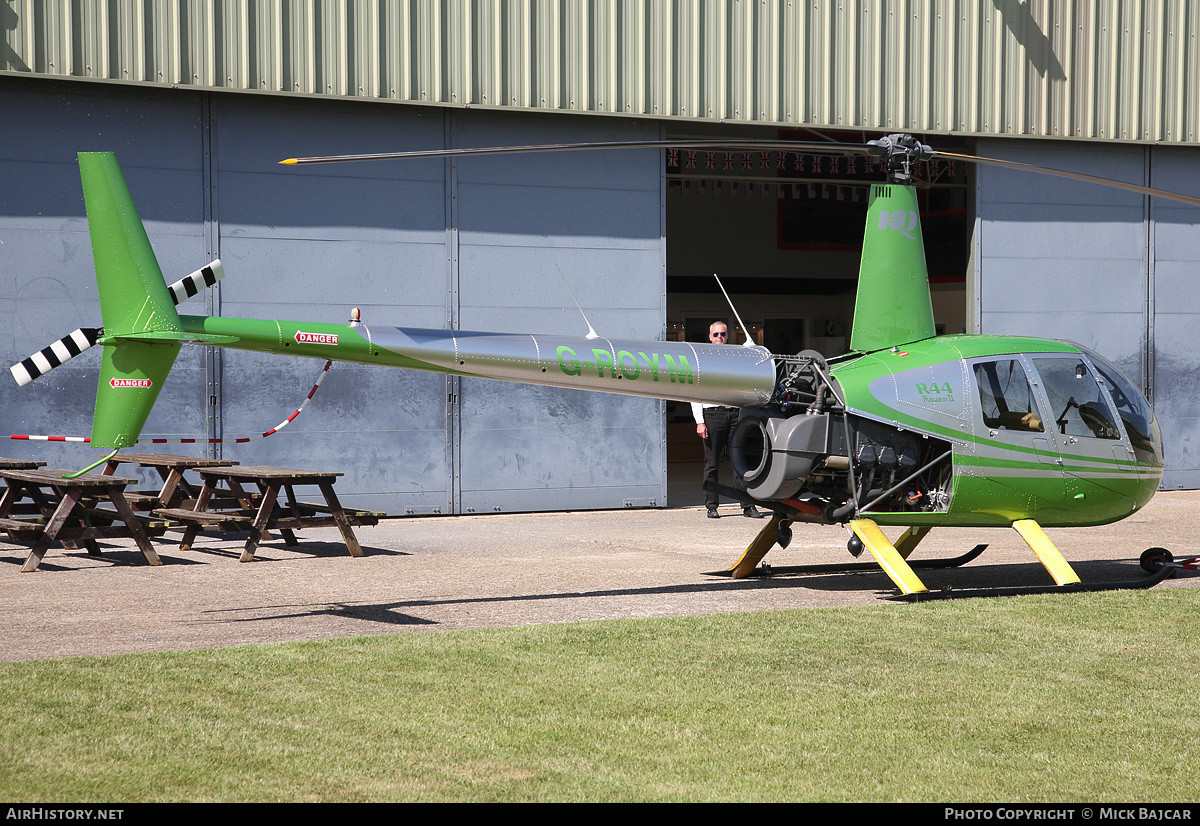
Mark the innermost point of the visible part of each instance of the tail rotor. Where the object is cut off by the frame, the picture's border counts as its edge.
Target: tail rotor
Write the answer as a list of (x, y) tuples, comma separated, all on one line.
[(83, 339)]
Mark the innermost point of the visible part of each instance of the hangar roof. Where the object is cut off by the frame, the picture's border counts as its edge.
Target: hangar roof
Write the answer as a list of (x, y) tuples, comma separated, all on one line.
[(1126, 70)]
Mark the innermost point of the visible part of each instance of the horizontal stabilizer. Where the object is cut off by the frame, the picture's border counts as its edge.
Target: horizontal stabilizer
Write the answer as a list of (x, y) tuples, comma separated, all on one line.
[(190, 338), (60, 352), (201, 279)]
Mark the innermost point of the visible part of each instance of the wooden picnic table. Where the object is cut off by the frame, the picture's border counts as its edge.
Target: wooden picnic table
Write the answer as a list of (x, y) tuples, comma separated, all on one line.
[(258, 513), (69, 512), (176, 491), (20, 464)]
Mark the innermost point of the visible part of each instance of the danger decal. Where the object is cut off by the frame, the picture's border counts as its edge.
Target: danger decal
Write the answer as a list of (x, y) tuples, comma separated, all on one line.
[(315, 338)]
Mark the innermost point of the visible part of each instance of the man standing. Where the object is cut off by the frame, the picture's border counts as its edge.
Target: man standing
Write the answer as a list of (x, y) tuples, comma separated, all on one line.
[(715, 424)]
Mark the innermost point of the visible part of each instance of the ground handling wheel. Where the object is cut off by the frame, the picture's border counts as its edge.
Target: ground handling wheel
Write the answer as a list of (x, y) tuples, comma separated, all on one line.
[(1154, 558)]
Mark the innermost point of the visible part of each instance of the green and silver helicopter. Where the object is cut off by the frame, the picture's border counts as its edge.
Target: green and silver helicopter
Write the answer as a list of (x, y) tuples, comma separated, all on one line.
[(909, 429)]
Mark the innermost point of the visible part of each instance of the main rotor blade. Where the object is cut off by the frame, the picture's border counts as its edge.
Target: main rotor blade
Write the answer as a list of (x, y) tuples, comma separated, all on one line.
[(752, 145), (1078, 176), (814, 147)]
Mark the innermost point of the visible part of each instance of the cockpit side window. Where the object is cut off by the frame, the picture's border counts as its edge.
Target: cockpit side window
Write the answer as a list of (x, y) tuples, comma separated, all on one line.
[(1005, 396), (1076, 402)]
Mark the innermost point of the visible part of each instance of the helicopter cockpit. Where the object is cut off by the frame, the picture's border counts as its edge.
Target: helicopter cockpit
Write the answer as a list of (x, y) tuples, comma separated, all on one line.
[(1082, 397), (1076, 400)]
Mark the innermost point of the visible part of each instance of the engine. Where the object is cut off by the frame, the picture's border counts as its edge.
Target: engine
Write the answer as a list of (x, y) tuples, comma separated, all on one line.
[(806, 445)]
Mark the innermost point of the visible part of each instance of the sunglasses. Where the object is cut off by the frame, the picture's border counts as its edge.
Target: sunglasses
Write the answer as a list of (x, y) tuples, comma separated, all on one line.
[(720, 334)]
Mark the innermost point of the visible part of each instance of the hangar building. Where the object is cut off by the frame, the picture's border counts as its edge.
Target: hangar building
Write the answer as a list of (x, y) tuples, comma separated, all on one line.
[(200, 99)]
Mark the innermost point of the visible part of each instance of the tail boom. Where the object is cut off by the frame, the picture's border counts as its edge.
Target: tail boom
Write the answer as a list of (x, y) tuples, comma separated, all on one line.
[(715, 374)]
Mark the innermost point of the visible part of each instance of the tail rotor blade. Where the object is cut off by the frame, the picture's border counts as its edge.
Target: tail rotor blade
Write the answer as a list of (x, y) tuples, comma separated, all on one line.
[(201, 279), (58, 353)]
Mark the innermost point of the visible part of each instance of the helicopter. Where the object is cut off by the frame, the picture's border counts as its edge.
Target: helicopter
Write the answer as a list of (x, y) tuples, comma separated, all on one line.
[(909, 429)]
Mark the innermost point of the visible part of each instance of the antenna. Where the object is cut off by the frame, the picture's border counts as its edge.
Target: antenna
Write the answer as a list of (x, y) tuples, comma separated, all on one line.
[(749, 342), (590, 333)]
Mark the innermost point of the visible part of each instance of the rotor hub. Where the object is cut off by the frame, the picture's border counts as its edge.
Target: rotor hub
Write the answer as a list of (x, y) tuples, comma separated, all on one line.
[(900, 152)]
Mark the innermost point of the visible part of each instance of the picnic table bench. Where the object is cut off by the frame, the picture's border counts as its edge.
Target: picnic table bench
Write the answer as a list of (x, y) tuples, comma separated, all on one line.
[(262, 511), (70, 512)]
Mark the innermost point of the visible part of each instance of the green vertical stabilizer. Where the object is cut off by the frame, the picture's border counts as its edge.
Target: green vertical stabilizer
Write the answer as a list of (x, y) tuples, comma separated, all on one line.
[(893, 306), (134, 302)]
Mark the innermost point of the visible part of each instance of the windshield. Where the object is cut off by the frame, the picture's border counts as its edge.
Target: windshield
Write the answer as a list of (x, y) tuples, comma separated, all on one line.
[(1133, 409), (1075, 398)]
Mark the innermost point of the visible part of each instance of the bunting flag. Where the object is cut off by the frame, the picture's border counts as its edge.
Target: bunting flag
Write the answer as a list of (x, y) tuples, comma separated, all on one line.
[(846, 177), (782, 190)]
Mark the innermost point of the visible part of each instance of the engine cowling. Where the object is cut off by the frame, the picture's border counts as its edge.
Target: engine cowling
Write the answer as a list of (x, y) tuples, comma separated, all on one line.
[(774, 454)]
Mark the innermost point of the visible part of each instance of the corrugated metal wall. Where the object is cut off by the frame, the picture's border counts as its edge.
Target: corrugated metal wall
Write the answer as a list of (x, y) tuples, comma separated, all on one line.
[(1110, 69)]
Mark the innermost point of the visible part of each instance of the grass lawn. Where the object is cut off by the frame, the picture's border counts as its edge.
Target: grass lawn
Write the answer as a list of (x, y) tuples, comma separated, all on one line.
[(1088, 697)]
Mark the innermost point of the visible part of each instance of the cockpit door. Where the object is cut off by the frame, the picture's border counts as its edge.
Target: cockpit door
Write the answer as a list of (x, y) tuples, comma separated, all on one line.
[(1079, 416), (1017, 458)]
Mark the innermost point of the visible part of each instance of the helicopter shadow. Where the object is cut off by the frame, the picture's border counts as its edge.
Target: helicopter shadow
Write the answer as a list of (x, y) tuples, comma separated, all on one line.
[(875, 582), (394, 613)]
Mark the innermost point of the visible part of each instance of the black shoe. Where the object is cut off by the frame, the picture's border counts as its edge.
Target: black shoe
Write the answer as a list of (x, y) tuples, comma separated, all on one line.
[(712, 514), (752, 513)]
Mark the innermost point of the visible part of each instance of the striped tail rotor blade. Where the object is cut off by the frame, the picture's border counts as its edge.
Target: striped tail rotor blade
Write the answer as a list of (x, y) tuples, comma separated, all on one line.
[(60, 352), (201, 279)]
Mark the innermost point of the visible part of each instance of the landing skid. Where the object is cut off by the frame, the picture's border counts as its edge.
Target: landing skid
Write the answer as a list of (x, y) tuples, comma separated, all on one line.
[(1077, 588), (850, 567)]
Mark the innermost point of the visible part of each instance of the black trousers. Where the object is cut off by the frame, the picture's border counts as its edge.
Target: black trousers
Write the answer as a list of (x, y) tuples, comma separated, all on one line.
[(720, 422)]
